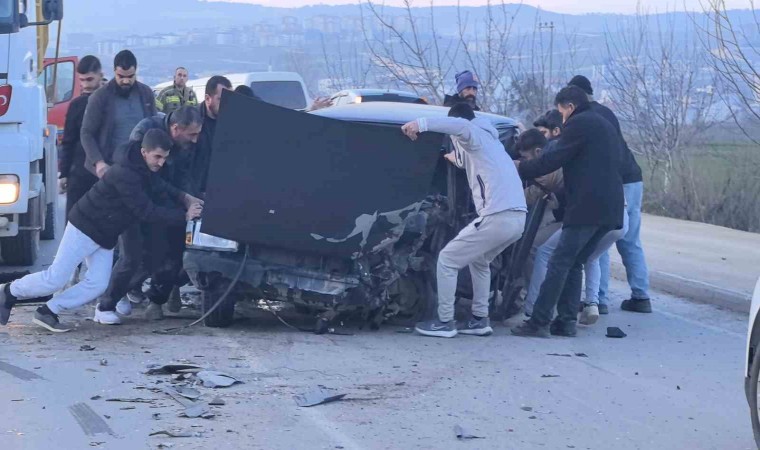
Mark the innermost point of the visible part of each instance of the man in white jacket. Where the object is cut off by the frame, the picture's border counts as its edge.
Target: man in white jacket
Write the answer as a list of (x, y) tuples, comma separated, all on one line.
[(498, 195)]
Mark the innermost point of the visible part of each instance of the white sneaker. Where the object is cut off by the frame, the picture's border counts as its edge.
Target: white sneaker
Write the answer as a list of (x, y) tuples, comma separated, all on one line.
[(124, 307), (590, 314), (106, 317)]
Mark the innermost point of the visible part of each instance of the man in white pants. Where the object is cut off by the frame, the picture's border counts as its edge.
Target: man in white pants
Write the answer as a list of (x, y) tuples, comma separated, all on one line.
[(121, 198), (500, 203)]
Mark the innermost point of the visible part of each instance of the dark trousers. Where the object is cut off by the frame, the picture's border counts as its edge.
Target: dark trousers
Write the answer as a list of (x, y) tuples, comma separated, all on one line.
[(127, 270), (78, 185), (564, 276), (166, 246)]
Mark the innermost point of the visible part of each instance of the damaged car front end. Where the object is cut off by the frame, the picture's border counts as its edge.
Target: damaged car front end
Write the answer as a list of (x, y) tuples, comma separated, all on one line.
[(391, 275)]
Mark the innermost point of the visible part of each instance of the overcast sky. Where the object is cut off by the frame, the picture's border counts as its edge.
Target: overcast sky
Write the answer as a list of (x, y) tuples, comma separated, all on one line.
[(563, 6)]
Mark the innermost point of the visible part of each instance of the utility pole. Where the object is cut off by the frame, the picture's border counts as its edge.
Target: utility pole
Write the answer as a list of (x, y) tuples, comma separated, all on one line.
[(548, 26)]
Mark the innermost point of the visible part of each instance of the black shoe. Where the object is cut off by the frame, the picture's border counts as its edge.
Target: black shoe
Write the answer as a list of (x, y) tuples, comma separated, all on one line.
[(49, 320), (564, 329), (5, 306), (604, 309), (637, 305), (529, 329)]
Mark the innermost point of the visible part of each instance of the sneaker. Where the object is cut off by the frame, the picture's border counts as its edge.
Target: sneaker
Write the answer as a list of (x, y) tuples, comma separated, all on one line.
[(49, 320), (568, 329), (475, 327), (5, 308), (436, 328), (175, 301), (604, 309), (106, 317), (136, 296), (637, 305), (154, 312), (124, 307), (590, 314), (529, 329)]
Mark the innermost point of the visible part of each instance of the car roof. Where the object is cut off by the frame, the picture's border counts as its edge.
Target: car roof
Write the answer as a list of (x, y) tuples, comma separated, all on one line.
[(364, 92), (399, 113), (244, 78)]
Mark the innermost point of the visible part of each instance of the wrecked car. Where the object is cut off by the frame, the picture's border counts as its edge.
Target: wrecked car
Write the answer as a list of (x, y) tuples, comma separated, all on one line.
[(334, 211)]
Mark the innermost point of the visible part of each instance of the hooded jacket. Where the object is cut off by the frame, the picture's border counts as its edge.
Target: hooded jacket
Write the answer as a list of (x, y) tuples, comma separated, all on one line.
[(123, 197), (589, 151), (491, 174)]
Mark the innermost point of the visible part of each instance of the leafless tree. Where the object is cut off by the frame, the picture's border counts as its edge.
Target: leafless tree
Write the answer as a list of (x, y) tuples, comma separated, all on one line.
[(346, 64), (734, 57)]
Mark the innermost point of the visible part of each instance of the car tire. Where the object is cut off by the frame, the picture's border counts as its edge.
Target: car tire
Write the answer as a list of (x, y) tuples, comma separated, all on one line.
[(752, 394), (223, 316), (48, 232)]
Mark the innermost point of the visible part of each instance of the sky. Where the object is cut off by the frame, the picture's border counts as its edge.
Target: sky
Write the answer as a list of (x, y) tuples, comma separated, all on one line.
[(561, 6)]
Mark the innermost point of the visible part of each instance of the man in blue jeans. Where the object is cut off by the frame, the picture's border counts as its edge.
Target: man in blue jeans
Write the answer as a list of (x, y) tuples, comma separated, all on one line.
[(629, 246)]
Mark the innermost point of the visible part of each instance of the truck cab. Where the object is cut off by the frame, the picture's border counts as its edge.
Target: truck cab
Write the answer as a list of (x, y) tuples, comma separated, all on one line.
[(28, 158)]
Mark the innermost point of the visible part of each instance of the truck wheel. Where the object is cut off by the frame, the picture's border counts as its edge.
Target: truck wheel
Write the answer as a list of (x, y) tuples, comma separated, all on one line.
[(752, 396), (21, 250), (223, 315), (48, 232)]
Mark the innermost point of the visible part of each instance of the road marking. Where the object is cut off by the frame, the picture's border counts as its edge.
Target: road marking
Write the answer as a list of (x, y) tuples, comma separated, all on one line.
[(18, 372), (89, 420)]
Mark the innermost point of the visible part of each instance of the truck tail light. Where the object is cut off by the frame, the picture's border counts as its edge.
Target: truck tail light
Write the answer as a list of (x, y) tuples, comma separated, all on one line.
[(5, 98), (9, 189)]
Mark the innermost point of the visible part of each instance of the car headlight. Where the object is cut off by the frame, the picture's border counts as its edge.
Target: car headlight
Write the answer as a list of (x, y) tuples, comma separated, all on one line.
[(195, 239), (9, 189)]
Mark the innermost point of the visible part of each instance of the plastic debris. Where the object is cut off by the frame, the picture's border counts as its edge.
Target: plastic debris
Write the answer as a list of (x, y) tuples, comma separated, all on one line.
[(316, 397), (615, 332), (170, 369), (463, 434), (212, 379)]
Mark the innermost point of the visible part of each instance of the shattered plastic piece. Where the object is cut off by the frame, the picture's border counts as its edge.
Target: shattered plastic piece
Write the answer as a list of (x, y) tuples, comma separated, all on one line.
[(95, 397), (213, 379), (197, 410), (316, 397), (126, 408), (560, 354), (549, 376), (156, 416), (131, 400), (581, 355), (526, 408), (615, 332), (103, 362), (462, 434), (86, 348), (177, 434), (187, 392), (170, 369), (217, 401)]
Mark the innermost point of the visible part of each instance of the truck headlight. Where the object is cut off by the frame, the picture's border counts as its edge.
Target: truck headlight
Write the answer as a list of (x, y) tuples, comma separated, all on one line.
[(9, 189)]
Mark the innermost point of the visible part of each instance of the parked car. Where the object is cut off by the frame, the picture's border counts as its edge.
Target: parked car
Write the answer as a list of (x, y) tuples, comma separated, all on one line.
[(286, 89), (394, 280), (752, 363), (353, 96)]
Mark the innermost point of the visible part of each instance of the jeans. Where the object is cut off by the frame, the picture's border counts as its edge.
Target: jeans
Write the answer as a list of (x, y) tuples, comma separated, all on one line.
[(593, 269), (630, 249), (476, 246), (75, 248), (564, 278)]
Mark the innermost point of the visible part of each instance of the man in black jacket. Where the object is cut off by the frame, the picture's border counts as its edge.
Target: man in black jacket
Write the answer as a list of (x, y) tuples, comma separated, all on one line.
[(467, 90), (209, 111), (113, 112), (122, 197), (157, 248), (74, 179), (589, 153), (629, 247)]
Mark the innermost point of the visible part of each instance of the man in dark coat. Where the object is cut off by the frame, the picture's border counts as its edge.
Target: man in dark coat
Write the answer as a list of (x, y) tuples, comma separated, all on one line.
[(121, 198), (467, 90), (630, 248), (74, 179), (209, 111), (112, 112), (589, 153)]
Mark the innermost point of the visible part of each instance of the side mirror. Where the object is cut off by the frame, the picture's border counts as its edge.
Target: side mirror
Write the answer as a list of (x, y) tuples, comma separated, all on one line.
[(52, 10)]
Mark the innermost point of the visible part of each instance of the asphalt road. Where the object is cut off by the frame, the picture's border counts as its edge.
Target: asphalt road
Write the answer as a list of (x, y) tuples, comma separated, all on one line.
[(676, 381)]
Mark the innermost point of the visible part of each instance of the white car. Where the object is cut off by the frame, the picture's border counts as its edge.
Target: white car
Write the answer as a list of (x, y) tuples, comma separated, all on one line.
[(286, 89), (353, 96), (752, 367)]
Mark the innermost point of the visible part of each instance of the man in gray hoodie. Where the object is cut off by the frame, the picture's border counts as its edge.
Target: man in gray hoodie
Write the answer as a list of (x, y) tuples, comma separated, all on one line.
[(499, 200)]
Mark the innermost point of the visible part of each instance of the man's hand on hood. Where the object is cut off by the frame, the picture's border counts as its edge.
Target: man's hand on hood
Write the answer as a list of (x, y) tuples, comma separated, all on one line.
[(411, 129)]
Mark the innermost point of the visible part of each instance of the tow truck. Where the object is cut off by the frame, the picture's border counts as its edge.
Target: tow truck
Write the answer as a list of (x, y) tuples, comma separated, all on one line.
[(28, 155)]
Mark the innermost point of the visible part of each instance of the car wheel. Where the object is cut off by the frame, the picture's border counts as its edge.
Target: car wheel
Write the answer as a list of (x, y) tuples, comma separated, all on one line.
[(752, 396), (224, 314)]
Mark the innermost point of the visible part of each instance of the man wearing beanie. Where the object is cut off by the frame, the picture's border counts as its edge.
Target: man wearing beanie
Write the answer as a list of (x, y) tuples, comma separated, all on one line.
[(629, 246), (467, 90)]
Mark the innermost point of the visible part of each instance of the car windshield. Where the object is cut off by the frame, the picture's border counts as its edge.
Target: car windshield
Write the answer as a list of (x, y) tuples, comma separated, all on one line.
[(288, 94), (390, 98)]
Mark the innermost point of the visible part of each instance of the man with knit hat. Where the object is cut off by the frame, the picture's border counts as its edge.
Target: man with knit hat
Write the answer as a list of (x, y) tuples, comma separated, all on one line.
[(629, 246), (467, 90)]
